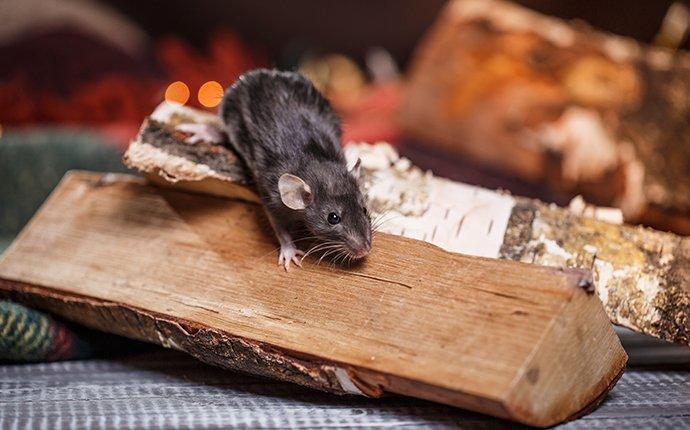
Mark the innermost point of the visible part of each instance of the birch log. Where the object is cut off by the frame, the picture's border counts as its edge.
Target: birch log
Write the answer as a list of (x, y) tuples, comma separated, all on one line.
[(559, 103), (642, 276)]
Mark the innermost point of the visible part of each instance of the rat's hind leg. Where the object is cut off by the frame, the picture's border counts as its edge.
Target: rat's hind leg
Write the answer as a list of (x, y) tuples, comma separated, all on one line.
[(288, 251), (202, 133)]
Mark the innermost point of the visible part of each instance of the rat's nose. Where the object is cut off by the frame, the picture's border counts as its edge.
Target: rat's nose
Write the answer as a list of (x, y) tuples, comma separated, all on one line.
[(361, 249)]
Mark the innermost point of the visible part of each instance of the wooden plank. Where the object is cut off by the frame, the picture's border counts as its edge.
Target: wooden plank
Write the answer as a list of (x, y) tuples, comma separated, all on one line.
[(642, 276), (557, 103), (198, 273)]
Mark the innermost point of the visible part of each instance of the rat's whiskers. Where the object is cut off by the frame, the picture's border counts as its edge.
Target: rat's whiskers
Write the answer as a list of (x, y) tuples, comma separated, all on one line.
[(325, 246), (326, 254), (343, 252), (321, 247), (381, 219)]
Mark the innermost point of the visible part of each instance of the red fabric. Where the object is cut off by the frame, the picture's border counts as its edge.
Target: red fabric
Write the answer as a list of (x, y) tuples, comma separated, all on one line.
[(111, 95), (80, 81)]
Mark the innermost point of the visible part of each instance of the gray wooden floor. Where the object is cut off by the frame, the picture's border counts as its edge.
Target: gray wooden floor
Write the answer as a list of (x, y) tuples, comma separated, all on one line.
[(157, 388)]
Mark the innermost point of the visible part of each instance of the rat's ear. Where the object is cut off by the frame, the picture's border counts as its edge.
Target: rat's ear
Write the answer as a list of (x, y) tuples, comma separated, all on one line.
[(294, 192), (354, 170)]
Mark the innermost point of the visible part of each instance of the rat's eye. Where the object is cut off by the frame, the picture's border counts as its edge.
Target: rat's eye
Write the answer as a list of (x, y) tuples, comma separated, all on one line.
[(366, 212), (333, 218)]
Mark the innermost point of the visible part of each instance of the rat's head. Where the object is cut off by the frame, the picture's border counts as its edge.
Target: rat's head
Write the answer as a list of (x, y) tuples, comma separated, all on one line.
[(332, 207)]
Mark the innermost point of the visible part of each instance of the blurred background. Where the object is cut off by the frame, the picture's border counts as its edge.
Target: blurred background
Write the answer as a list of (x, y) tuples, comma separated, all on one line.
[(77, 77)]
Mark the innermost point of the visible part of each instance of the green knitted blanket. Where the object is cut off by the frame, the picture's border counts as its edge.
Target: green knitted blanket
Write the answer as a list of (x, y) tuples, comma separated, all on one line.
[(30, 335)]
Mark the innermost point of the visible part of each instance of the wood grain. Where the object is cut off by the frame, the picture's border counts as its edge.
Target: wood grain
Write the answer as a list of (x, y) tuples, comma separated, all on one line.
[(199, 274)]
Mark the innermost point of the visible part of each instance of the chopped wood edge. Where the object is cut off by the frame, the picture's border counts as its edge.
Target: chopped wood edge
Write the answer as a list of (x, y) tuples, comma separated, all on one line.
[(529, 397), (596, 402)]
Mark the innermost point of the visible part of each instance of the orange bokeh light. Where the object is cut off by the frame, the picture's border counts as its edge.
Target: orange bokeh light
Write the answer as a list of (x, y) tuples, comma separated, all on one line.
[(177, 92), (210, 94)]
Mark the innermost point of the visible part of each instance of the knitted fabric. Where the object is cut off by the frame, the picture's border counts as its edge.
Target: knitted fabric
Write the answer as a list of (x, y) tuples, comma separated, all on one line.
[(30, 335)]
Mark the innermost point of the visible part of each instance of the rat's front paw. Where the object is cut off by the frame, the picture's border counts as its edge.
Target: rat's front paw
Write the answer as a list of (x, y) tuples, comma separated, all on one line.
[(288, 253), (201, 133)]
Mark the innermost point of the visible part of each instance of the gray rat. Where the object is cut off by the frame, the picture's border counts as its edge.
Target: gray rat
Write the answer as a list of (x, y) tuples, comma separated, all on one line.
[(288, 136)]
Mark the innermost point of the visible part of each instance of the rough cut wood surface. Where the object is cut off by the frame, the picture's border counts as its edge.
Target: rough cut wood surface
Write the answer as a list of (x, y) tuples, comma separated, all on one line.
[(642, 276), (559, 103), (199, 274)]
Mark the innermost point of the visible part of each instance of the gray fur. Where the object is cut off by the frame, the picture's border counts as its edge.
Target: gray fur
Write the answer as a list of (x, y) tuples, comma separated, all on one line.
[(279, 123)]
